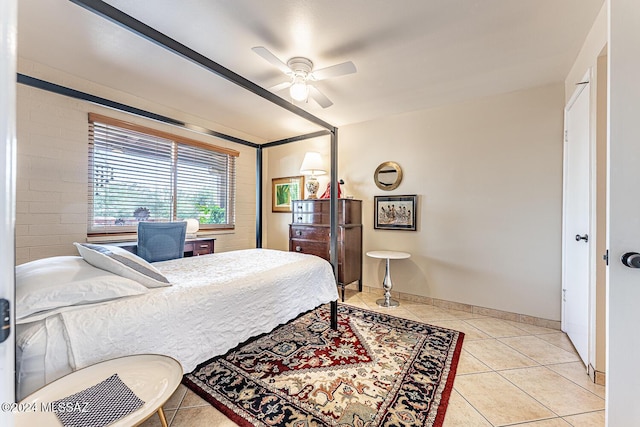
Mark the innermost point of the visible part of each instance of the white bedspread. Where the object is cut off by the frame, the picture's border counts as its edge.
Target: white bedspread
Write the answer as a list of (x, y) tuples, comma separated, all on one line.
[(216, 302)]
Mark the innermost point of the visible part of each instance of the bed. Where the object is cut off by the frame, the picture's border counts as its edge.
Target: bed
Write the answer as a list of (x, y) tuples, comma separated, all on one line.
[(210, 304)]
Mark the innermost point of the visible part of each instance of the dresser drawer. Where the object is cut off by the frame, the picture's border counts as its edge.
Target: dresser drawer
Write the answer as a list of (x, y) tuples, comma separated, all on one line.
[(309, 233), (318, 211), (310, 247), (310, 218), (307, 206)]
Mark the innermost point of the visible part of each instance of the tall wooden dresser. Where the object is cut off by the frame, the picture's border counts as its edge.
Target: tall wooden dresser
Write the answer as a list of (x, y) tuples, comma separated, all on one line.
[(309, 233)]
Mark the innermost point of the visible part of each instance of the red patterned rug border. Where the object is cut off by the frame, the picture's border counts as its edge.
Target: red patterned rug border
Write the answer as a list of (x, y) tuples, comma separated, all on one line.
[(446, 393)]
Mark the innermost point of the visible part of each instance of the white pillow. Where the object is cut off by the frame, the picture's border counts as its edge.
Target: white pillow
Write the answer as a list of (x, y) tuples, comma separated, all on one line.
[(123, 263), (48, 284)]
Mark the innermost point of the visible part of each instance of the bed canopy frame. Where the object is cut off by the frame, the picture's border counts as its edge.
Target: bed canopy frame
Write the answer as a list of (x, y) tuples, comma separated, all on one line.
[(128, 22)]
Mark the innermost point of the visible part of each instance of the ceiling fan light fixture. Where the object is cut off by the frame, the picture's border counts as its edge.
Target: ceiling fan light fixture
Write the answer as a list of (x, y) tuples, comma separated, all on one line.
[(299, 90), (301, 76)]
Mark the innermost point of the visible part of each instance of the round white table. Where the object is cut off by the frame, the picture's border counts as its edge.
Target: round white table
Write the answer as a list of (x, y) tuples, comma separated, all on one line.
[(386, 283), (151, 377)]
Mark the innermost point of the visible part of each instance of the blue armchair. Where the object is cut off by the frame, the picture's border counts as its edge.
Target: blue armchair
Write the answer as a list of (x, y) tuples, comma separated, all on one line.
[(160, 241)]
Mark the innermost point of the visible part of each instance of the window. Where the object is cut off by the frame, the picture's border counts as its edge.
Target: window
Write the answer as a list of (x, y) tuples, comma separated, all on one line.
[(141, 174)]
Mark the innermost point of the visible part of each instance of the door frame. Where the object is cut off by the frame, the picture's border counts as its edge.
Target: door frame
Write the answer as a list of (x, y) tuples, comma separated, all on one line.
[(8, 59), (623, 223)]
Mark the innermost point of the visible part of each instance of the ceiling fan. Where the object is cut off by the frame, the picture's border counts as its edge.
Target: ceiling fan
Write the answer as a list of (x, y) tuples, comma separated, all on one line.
[(302, 75)]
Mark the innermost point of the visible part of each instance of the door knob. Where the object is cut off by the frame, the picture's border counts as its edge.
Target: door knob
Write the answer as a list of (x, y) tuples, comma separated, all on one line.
[(631, 259), (579, 237)]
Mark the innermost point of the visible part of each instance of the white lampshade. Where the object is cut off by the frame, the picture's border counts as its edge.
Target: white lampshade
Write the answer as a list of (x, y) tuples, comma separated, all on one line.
[(193, 225), (312, 164)]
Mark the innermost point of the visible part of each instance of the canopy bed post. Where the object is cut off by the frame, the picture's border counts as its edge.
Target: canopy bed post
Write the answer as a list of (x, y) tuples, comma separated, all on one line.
[(259, 197), (333, 220)]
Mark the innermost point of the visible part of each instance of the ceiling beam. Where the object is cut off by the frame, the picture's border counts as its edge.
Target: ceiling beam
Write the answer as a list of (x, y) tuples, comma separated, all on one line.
[(297, 138)]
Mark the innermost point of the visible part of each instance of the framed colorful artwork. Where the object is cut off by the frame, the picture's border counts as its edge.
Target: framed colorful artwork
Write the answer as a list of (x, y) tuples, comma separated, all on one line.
[(284, 190)]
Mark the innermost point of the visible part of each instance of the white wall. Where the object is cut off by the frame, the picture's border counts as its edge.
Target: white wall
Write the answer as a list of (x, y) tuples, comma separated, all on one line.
[(592, 48), (489, 178), (52, 132)]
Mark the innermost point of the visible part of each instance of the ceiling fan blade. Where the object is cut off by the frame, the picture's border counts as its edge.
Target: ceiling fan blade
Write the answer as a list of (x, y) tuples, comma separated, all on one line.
[(334, 71), (271, 58), (279, 87), (319, 97)]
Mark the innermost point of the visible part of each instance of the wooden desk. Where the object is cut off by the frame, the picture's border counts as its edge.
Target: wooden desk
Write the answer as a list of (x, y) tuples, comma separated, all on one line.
[(192, 247), (151, 377)]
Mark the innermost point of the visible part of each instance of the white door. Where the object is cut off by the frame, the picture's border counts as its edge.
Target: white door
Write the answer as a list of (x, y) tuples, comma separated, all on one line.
[(576, 243), (623, 283), (8, 46)]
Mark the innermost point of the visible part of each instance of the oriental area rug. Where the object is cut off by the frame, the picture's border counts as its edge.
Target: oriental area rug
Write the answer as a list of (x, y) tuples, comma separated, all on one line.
[(376, 370)]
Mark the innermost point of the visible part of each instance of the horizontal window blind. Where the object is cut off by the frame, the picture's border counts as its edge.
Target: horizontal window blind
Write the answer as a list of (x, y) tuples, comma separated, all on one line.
[(136, 176), (205, 185)]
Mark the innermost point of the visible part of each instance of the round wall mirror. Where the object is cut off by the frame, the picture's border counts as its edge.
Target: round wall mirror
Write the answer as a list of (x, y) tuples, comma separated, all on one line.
[(388, 176)]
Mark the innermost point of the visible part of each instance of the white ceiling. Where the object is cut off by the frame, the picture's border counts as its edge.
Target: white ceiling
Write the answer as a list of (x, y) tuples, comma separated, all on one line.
[(410, 54)]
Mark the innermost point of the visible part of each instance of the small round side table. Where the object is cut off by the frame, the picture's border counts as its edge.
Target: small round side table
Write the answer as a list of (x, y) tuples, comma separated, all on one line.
[(151, 377), (386, 283)]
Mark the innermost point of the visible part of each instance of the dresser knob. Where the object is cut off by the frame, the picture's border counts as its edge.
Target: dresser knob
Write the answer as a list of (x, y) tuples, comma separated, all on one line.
[(299, 219), (298, 249), (298, 233)]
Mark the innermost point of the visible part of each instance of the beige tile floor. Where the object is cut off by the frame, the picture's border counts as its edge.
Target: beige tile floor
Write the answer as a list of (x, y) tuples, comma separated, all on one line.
[(509, 374)]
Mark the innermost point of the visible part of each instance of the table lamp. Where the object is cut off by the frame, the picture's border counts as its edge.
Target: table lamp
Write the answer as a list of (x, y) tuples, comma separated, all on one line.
[(312, 166), (193, 225)]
